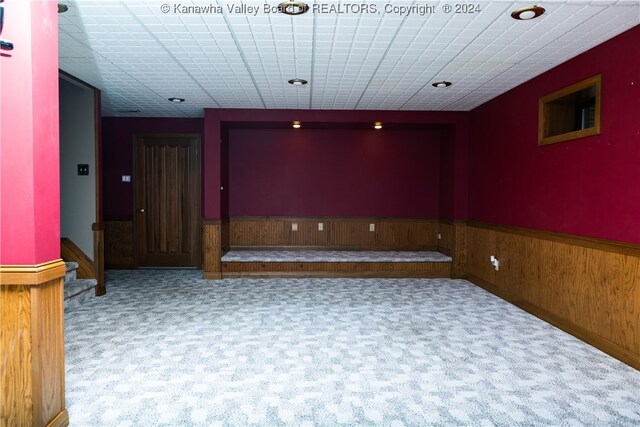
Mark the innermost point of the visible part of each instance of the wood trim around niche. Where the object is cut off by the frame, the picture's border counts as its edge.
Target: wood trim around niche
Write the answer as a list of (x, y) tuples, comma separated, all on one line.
[(568, 136)]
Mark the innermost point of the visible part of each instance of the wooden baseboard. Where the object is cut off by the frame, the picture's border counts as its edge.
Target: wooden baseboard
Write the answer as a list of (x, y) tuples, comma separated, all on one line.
[(212, 275), (589, 337), (61, 420)]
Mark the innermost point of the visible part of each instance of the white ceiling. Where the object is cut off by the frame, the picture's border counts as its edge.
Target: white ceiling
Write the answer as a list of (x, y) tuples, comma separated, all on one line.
[(139, 56)]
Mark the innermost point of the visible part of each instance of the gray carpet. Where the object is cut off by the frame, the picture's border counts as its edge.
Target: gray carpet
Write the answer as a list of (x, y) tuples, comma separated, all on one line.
[(167, 348), (334, 256)]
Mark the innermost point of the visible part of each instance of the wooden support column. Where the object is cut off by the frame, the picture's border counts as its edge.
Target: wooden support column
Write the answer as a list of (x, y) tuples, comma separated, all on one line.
[(31, 272), (458, 270), (32, 345), (212, 249), (98, 258)]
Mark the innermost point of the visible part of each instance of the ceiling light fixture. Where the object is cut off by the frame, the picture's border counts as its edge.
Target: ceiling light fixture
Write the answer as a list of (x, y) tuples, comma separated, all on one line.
[(377, 125), (441, 84), (62, 8), (177, 100), (298, 82), (527, 13), (293, 7), (296, 125)]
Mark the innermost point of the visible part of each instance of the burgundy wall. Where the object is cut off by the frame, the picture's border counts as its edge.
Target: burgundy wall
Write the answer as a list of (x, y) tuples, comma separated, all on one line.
[(117, 160), (29, 136), (329, 172), (447, 173), (588, 187), (219, 203)]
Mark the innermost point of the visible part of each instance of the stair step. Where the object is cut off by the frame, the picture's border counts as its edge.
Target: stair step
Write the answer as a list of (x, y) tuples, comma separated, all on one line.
[(71, 273), (79, 291)]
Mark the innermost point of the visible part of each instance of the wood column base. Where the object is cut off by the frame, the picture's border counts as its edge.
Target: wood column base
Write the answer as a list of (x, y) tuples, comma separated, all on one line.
[(32, 345), (212, 249)]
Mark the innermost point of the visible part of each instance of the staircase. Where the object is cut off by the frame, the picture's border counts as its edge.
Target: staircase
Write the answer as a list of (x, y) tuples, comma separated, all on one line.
[(77, 291)]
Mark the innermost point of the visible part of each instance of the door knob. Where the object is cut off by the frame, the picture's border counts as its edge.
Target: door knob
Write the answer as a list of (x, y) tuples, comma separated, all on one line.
[(141, 210)]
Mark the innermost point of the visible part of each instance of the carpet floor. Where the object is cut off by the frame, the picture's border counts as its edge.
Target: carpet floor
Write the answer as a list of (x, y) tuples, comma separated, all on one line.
[(168, 348)]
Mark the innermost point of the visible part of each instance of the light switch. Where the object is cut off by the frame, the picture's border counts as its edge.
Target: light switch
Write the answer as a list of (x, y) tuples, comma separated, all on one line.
[(294, 226), (320, 226), (372, 227)]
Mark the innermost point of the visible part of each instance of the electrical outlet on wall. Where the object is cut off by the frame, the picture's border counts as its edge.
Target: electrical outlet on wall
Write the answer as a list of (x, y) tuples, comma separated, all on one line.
[(294, 226), (83, 169), (372, 227), (320, 226), (439, 236), (495, 263)]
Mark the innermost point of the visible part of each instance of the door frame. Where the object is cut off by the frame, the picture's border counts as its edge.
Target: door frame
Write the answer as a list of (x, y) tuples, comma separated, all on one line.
[(195, 177), (97, 227)]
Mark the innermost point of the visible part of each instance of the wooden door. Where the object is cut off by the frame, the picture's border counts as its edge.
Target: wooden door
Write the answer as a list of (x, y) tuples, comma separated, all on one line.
[(167, 200)]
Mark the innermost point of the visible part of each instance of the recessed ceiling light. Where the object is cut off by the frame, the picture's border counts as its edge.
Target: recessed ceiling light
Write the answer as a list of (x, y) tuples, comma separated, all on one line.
[(377, 125), (298, 82), (177, 100), (62, 8), (296, 125), (293, 7), (527, 13), (441, 84)]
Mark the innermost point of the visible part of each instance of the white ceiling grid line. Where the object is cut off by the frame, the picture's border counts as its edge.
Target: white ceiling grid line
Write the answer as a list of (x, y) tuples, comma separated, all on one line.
[(141, 52)]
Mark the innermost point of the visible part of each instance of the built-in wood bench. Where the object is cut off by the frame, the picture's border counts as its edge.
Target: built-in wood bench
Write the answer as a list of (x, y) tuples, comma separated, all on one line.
[(331, 263)]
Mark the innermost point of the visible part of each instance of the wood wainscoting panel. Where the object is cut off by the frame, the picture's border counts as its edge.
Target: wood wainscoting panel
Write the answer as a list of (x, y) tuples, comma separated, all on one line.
[(16, 401), (118, 244), (98, 258), (459, 249), (481, 244), (225, 237), (446, 241), (256, 232), (586, 288), (344, 233), (32, 342), (212, 249)]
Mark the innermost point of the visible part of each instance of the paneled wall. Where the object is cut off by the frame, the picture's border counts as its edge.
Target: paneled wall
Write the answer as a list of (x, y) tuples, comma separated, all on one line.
[(118, 244), (446, 240), (32, 345), (212, 245), (588, 287), (343, 233)]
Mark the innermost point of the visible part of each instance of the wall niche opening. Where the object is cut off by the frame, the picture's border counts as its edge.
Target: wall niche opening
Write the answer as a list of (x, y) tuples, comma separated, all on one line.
[(570, 113)]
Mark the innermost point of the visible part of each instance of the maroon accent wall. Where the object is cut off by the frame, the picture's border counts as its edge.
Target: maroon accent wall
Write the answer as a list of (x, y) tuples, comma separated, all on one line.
[(218, 145), (334, 172), (588, 187), (117, 156), (446, 204)]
